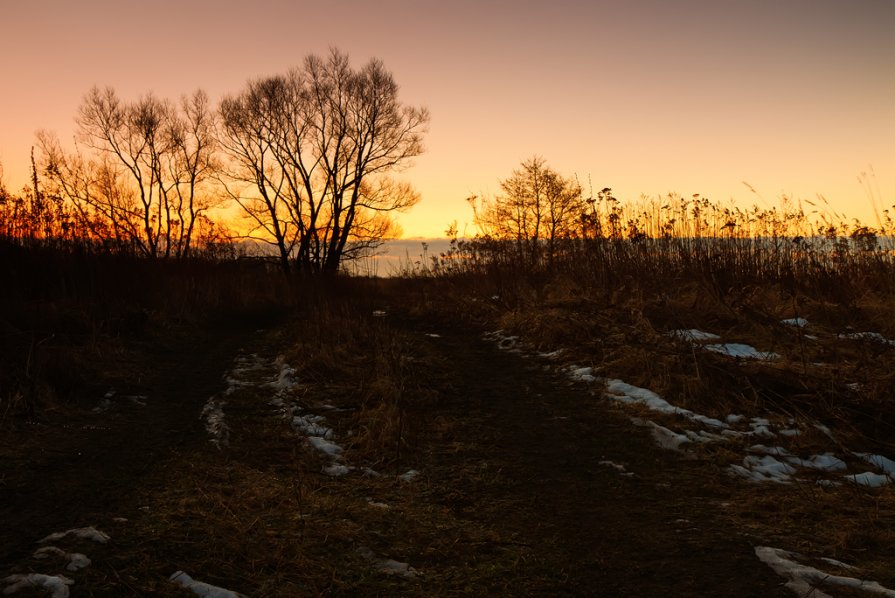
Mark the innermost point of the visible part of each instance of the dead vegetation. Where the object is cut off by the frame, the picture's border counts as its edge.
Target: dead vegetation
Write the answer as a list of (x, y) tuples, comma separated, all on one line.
[(261, 516)]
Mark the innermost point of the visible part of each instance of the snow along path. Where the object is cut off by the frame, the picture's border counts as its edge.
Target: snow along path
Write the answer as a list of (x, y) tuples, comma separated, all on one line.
[(203, 589), (56, 585), (804, 579), (528, 446), (774, 464), (243, 373)]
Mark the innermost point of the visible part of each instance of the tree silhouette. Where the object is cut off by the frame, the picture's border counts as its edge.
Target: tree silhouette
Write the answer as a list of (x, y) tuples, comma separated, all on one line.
[(310, 154), (143, 182), (537, 208)]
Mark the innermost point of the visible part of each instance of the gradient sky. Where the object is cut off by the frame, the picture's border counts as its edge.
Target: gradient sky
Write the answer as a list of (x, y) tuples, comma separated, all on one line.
[(795, 97)]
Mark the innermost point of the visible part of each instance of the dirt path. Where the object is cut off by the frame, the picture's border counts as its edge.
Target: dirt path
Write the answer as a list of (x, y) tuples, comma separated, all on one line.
[(520, 490), (546, 449)]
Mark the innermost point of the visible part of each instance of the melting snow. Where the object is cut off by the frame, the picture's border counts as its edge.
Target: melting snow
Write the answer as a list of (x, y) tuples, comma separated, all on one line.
[(217, 428), (664, 437), (741, 351), (325, 446), (203, 589), (389, 566), (584, 374), (694, 336), (797, 322), (803, 579), (504, 341), (870, 336), (76, 560), (285, 377), (870, 479), (337, 470), (409, 475), (57, 585), (393, 567), (887, 465), (86, 533), (627, 393), (311, 425)]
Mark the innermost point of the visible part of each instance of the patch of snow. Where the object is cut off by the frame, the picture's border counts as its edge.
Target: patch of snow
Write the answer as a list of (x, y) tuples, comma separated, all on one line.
[(741, 351), (325, 446), (870, 336), (735, 419), (551, 354), (797, 322), (825, 430), (379, 313), (57, 585), (409, 475), (627, 393), (883, 463), (202, 589), (616, 466), (378, 505), (76, 560), (703, 436), (285, 377), (393, 567), (337, 470), (244, 364), (824, 462), (803, 579), (584, 374), (870, 479), (764, 469), (665, 438), (389, 566), (85, 533), (217, 428), (761, 427), (433, 335), (504, 341), (694, 335), (836, 563), (310, 425)]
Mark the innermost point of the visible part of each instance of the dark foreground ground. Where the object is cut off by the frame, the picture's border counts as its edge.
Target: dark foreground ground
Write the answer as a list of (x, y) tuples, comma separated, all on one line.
[(515, 494)]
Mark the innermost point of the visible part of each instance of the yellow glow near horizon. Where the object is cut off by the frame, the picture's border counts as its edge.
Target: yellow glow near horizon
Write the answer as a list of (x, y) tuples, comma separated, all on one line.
[(645, 97)]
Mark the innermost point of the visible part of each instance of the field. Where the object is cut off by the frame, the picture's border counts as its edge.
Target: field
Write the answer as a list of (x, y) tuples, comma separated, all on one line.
[(659, 410)]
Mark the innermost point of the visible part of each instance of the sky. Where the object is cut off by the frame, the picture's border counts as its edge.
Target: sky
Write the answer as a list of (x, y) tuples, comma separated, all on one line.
[(648, 97)]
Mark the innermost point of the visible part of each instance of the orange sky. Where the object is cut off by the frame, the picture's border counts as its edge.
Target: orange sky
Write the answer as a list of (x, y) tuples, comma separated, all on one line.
[(795, 97)]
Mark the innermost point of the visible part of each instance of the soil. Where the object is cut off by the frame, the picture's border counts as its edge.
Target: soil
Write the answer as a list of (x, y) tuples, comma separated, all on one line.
[(510, 447)]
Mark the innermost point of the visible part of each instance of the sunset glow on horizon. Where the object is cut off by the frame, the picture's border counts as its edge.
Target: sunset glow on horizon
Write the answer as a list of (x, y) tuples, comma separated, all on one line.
[(794, 98)]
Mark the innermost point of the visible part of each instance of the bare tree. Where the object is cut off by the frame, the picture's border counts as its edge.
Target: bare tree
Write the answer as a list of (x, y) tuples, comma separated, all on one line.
[(311, 153), (537, 208), (142, 181)]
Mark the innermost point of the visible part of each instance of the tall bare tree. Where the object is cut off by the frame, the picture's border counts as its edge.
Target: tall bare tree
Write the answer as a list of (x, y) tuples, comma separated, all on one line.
[(143, 178), (311, 153)]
